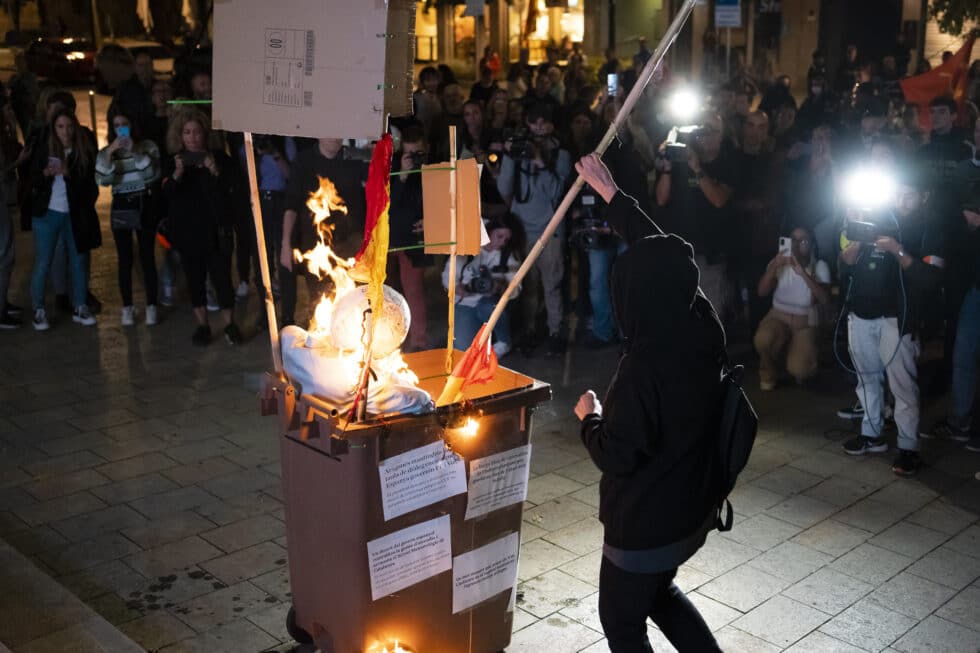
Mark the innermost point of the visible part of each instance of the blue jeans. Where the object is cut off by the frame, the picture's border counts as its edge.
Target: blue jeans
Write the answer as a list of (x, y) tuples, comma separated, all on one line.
[(600, 263), (47, 230), (469, 319), (966, 356)]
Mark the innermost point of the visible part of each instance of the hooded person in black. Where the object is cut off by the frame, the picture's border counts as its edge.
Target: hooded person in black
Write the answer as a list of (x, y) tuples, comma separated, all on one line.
[(655, 438)]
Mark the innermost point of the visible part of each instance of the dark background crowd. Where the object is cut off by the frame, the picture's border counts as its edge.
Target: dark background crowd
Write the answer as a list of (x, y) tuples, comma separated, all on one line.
[(753, 173)]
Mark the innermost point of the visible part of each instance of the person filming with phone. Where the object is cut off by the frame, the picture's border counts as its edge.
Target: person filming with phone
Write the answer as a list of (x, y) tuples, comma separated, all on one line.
[(130, 164), (798, 281)]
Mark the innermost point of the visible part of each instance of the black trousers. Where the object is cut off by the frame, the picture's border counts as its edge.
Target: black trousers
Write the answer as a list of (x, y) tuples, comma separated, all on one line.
[(288, 292), (627, 599), (146, 242), (216, 264)]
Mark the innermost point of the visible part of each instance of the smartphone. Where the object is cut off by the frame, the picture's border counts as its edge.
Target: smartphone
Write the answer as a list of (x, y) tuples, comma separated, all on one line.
[(859, 231), (55, 163), (122, 131), (194, 158), (612, 84), (785, 246)]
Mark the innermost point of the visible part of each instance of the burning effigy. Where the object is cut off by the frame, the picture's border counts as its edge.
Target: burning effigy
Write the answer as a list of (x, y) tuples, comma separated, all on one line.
[(345, 335)]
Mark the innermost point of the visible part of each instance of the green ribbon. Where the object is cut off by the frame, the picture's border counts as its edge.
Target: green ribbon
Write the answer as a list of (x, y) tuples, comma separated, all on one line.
[(420, 246)]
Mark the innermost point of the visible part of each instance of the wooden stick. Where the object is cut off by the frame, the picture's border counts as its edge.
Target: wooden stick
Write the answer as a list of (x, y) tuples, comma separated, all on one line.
[(452, 248), (634, 95), (270, 304)]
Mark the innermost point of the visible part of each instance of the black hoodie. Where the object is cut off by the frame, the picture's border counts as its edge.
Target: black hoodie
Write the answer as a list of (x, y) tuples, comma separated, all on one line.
[(656, 439)]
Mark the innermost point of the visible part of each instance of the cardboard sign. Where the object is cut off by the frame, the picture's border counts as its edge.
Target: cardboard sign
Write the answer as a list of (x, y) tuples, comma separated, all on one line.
[(435, 207), (316, 68)]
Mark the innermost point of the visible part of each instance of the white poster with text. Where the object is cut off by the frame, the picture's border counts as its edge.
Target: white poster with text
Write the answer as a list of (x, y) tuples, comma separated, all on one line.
[(419, 478), (485, 572), (409, 556), (498, 481)]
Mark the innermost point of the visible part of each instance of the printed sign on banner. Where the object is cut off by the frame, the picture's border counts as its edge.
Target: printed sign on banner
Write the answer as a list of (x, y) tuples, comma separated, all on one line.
[(409, 556), (419, 478), (498, 481), (728, 13), (485, 572)]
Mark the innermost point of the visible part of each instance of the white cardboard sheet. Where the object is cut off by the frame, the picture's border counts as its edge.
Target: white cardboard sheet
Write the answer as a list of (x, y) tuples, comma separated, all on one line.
[(498, 481), (419, 478), (485, 572), (409, 556)]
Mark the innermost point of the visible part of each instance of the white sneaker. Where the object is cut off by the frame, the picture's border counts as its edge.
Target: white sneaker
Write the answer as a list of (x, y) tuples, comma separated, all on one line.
[(151, 315), (242, 291), (128, 315), (83, 316), (501, 348), (40, 320)]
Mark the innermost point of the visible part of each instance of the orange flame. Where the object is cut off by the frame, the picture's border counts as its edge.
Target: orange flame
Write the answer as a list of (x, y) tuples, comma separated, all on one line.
[(323, 262), (380, 647)]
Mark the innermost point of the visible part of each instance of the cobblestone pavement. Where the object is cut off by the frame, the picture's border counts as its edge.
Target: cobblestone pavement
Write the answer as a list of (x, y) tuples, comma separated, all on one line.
[(136, 472)]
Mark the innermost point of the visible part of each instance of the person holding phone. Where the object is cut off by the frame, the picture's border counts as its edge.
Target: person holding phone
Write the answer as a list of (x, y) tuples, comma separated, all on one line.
[(798, 281), (130, 164), (63, 206), (198, 184)]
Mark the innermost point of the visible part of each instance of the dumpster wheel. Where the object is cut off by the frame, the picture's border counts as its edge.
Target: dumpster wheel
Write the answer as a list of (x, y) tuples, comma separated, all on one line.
[(294, 630)]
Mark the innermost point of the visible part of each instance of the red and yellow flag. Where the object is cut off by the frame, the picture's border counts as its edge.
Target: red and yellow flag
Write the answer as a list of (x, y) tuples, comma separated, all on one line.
[(950, 79), (478, 365), (373, 256)]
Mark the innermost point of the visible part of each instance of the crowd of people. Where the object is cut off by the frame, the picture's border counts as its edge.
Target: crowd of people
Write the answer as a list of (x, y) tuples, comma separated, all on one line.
[(755, 181)]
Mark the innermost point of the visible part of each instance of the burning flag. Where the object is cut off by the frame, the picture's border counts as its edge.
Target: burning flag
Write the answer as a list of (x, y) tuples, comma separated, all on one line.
[(478, 365)]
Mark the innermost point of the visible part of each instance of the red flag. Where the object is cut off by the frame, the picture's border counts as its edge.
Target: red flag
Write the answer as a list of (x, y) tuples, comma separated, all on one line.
[(478, 365), (949, 79)]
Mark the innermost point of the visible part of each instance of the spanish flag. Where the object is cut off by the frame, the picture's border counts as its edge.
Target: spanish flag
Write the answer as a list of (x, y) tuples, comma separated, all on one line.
[(373, 256), (950, 78), (478, 365)]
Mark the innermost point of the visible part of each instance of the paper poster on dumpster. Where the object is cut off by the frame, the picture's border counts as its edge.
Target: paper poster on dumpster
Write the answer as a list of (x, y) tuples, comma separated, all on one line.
[(485, 572), (419, 478), (498, 481), (409, 556)]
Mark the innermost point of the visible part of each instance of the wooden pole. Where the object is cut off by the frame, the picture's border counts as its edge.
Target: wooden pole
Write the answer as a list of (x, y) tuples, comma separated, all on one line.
[(634, 95), (270, 305), (452, 249)]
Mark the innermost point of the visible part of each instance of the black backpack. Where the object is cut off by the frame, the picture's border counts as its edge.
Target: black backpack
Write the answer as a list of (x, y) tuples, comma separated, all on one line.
[(738, 424)]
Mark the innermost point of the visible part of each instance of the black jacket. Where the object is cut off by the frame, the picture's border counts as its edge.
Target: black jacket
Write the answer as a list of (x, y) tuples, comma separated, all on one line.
[(200, 205), (656, 440), (82, 192)]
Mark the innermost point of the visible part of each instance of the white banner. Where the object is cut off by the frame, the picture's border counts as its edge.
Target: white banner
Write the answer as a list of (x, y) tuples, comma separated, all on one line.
[(409, 556), (485, 572), (419, 478), (498, 481)]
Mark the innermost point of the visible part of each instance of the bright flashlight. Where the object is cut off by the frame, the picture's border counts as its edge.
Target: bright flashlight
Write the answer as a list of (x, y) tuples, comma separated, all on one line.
[(684, 106), (869, 188)]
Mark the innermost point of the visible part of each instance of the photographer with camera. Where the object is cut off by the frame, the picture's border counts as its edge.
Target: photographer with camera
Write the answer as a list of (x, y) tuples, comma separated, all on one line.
[(891, 259), (480, 280), (694, 186), (532, 178)]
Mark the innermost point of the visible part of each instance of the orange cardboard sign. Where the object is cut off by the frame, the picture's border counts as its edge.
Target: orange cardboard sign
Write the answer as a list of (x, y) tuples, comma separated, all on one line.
[(435, 207)]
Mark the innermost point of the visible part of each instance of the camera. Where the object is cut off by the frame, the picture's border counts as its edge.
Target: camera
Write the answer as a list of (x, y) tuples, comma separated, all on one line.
[(679, 139), (866, 231), (482, 283), (590, 231), (520, 145)]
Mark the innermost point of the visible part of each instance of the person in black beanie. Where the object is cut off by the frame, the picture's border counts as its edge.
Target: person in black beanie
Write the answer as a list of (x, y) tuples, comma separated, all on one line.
[(654, 439)]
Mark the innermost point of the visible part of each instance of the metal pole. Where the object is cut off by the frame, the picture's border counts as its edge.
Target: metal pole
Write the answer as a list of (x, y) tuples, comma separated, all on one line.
[(750, 34), (270, 305), (91, 109), (452, 249), (634, 96), (728, 52)]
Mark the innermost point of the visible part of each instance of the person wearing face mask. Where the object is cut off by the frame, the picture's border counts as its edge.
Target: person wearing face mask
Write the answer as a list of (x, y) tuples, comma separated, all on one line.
[(819, 107), (197, 184), (130, 164), (480, 281), (63, 206)]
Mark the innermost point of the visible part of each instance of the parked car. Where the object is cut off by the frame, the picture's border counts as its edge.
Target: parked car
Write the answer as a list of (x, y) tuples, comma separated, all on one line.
[(65, 60), (116, 61)]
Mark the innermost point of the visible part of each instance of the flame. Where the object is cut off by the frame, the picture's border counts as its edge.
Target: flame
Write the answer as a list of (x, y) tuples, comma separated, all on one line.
[(323, 262), (384, 648), (469, 429)]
